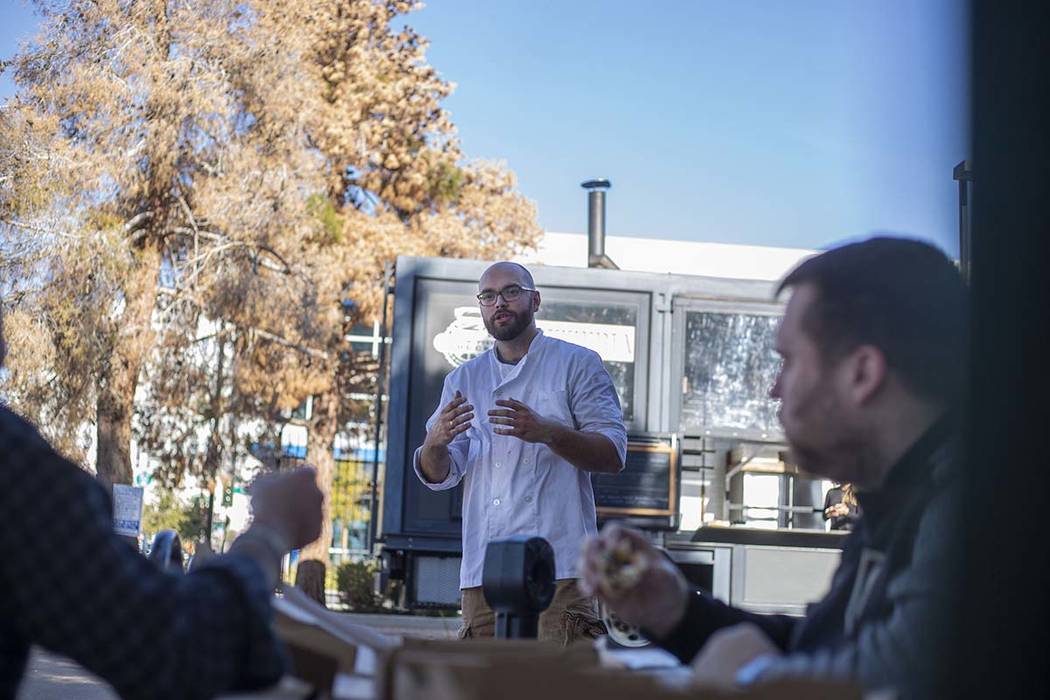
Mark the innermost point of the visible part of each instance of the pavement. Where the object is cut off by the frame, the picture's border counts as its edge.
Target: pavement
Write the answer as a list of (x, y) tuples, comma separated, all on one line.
[(53, 677)]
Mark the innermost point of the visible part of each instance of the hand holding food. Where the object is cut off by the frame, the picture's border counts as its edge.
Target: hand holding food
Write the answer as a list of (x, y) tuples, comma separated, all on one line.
[(622, 567), (634, 578)]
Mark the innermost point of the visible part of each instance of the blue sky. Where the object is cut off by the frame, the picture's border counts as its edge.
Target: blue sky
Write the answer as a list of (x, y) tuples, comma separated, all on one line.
[(766, 122)]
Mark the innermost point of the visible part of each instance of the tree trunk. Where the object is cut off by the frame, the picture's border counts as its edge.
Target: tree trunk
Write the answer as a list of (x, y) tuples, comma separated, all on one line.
[(323, 428), (132, 341), (113, 430), (309, 578)]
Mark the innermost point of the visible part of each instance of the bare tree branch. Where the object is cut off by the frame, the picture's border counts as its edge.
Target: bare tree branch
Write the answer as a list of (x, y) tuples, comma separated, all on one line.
[(136, 222), (39, 229)]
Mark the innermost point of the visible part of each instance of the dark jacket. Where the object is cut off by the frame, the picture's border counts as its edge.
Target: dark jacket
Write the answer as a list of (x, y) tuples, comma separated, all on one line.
[(68, 584), (889, 596), (834, 497)]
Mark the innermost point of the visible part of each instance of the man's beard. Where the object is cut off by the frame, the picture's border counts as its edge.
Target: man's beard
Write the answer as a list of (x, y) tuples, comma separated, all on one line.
[(820, 442), (511, 331)]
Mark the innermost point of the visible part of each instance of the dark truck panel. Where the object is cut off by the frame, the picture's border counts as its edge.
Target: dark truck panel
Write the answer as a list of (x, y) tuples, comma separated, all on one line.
[(628, 318)]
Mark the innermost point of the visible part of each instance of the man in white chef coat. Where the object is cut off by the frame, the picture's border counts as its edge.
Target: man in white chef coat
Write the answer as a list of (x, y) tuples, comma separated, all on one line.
[(523, 425)]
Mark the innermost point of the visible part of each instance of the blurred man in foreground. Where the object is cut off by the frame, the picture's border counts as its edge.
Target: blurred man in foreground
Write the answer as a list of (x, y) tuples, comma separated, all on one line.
[(70, 585), (873, 342)]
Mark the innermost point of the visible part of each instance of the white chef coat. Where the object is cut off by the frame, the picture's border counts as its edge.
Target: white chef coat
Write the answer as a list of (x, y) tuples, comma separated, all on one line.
[(513, 487)]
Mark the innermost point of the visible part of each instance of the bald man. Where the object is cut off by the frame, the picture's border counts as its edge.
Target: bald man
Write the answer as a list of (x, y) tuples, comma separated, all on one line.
[(523, 425)]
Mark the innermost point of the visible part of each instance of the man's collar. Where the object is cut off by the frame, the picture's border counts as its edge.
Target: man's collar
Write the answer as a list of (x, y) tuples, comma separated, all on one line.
[(533, 344), (914, 466)]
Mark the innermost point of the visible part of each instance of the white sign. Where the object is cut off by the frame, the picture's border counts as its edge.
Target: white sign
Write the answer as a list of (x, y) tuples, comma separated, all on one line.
[(127, 510), (612, 343), (466, 337)]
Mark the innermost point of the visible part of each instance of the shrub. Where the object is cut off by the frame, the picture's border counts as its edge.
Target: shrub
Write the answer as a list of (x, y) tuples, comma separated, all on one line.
[(355, 581)]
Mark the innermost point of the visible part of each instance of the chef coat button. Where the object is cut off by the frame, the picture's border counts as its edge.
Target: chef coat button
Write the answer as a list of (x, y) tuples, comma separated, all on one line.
[(495, 502)]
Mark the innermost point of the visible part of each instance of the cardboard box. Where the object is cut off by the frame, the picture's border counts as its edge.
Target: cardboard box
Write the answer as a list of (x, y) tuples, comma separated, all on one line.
[(345, 660), (328, 651), (531, 671), (461, 669)]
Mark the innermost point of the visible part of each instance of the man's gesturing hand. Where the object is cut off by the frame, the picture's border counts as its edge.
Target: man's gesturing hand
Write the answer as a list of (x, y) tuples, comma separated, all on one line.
[(522, 422), (454, 419), (654, 596)]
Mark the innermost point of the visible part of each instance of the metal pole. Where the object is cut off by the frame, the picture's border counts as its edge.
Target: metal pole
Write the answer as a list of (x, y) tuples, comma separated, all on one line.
[(373, 501), (211, 512), (596, 222), (596, 256), (964, 174)]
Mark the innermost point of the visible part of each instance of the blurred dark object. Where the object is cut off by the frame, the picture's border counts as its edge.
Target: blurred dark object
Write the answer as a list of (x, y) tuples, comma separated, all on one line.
[(963, 174), (1002, 634), (202, 552), (166, 551), (518, 584)]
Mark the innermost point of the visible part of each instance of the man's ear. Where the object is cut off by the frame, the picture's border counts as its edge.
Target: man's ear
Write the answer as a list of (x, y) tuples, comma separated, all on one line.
[(867, 372), (535, 302)]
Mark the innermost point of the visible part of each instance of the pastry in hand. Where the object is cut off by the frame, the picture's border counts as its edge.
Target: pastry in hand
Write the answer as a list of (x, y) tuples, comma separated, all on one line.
[(622, 569)]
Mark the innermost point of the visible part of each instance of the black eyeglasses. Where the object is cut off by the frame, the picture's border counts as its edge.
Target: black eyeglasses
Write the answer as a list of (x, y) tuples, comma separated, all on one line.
[(509, 293)]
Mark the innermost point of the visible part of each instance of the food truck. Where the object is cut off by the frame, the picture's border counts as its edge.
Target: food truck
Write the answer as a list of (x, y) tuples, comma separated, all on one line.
[(708, 474)]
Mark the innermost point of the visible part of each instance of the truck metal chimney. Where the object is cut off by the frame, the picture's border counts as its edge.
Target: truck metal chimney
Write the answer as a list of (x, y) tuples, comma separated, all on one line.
[(596, 256)]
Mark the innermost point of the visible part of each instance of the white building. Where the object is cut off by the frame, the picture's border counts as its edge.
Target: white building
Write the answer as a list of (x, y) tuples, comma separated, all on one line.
[(728, 260)]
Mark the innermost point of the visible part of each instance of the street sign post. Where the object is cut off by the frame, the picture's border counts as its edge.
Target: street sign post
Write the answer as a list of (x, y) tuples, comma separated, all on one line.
[(127, 510)]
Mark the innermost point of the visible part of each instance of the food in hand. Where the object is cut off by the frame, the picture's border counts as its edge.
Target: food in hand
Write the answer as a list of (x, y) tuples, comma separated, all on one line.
[(622, 568)]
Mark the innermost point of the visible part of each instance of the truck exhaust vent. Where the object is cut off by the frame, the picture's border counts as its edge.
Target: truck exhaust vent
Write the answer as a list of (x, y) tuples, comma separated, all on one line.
[(596, 256)]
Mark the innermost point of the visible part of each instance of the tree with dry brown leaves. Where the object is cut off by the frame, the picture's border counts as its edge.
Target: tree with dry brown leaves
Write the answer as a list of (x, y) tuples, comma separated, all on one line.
[(223, 175)]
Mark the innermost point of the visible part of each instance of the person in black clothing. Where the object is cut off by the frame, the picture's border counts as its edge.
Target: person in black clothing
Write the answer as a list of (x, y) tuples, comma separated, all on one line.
[(840, 507), (72, 586), (872, 341)]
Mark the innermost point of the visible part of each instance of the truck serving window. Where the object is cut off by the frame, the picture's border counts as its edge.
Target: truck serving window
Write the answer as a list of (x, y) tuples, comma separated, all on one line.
[(608, 329), (730, 366)]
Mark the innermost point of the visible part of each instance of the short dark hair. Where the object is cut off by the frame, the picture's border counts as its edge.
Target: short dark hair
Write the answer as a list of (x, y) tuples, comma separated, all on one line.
[(902, 296)]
